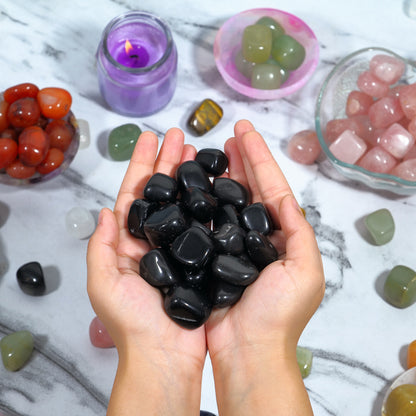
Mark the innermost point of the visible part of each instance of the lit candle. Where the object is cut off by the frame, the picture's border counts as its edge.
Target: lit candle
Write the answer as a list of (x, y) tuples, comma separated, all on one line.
[(136, 64)]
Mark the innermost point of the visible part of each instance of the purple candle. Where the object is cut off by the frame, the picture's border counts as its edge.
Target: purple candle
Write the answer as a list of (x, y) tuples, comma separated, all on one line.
[(136, 64)]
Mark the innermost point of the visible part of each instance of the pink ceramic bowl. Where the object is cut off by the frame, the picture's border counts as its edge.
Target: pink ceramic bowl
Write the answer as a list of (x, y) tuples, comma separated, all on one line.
[(228, 43)]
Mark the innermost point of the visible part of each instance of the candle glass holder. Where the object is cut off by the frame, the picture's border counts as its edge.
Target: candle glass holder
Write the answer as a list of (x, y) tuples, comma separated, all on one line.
[(137, 64)]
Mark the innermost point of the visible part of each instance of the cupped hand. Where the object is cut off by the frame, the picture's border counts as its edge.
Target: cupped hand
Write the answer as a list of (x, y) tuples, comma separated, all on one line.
[(274, 310), (131, 310)]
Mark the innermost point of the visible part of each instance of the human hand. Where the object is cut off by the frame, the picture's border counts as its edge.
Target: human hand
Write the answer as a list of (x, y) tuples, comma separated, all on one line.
[(263, 328), (132, 310)]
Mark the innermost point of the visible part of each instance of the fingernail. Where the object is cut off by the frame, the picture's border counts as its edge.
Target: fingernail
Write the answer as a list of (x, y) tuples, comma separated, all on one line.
[(297, 207)]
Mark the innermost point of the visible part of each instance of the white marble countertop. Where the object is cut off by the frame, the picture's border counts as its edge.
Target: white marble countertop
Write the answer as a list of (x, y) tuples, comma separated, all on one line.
[(358, 340)]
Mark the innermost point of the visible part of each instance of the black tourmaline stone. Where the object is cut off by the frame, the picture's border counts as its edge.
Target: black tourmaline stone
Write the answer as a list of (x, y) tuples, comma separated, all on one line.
[(226, 294), (200, 204), (230, 239), (161, 188), (30, 279), (234, 270), (229, 191), (214, 161), (190, 174), (261, 251), (256, 217), (226, 214), (140, 210)]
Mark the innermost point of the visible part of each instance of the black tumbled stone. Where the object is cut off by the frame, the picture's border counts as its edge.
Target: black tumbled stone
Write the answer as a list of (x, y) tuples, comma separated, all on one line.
[(226, 294), (139, 211), (256, 217), (234, 270), (200, 204), (260, 249), (161, 188), (214, 161), (191, 174), (226, 214), (230, 239), (31, 279), (229, 191)]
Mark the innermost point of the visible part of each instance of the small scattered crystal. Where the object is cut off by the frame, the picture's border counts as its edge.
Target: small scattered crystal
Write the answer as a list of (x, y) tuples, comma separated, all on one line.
[(304, 357), (80, 222), (206, 116), (99, 336), (16, 349), (304, 147), (122, 140), (30, 279), (84, 133), (400, 287), (381, 226)]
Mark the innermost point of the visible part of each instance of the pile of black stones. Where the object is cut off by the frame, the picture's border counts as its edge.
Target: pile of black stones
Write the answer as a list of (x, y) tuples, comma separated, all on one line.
[(208, 243)]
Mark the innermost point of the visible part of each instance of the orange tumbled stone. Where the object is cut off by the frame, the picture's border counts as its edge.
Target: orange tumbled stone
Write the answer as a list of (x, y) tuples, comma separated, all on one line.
[(52, 161), (411, 354), (54, 102)]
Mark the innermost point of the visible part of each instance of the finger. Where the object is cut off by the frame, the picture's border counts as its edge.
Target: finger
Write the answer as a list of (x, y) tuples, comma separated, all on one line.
[(236, 168), (188, 153), (170, 153)]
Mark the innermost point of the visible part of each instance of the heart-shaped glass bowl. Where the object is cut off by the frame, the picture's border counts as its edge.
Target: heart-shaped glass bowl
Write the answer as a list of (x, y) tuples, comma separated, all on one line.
[(331, 104), (228, 44)]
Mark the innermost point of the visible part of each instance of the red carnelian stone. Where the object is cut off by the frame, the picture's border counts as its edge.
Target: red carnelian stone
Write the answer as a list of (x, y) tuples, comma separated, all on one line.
[(20, 91), (24, 112), (33, 146), (20, 171), (54, 102), (52, 161), (411, 355), (4, 121), (98, 334), (9, 134), (8, 152), (60, 134)]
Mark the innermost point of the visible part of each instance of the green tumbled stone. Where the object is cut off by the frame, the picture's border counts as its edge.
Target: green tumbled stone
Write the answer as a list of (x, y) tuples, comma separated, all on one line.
[(381, 226), (266, 77), (276, 28), (257, 43), (304, 358), (288, 52), (244, 67), (400, 287), (283, 72), (16, 349), (122, 140)]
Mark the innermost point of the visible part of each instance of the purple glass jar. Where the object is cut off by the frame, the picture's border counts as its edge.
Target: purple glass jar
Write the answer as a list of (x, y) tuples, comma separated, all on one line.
[(137, 64)]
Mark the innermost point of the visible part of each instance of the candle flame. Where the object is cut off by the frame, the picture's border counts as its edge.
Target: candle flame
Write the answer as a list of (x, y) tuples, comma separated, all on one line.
[(128, 47)]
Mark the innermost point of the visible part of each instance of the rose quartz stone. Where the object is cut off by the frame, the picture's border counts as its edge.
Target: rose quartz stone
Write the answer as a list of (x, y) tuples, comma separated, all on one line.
[(358, 103), (387, 68), (335, 127), (99, 336), (395, 91), (377, 160), (304, 147), (348, 147), (384, 112), (405, 170), (397, 140), (411, 127), (411, 154), (371, 85), (408, 100)]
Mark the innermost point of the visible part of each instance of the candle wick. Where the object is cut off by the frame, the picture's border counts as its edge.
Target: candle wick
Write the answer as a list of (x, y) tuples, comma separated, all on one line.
[(134, 56)]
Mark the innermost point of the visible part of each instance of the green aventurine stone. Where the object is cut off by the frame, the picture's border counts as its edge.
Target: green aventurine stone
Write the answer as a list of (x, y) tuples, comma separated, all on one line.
[(304, 358), (122, 140), (257, 43), (380, 224), (400, 287), (276, 28), (244, 67), (266, 77), (288, 52), (16, 349)]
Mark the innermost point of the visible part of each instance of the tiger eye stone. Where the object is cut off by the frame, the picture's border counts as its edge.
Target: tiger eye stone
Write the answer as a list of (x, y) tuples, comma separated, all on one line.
[(400, 287), (16, 349), (206, 116)]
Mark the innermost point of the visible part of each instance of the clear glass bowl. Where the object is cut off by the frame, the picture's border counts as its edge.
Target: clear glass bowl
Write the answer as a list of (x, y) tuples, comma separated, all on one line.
[(69, 156), (331, 103), (228, 43)]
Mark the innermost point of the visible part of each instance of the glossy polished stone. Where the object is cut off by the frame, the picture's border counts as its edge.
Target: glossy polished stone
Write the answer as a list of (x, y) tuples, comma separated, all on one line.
[(381, 226), (191, 174), (164, 225), (288, 52), (234, 270), (230, 239), (161, 188), (205, 117), (304, 147), (99, 336), (226, 214), (256, 217), (122, 140), (243, 66), (213, 161), (188, 307), (411, 355), (257, 43), (157, 268), (16, 349), (84, 133), (226, 294), (80, 223), (276, 28), (193, 248), (139, 211), (266, 76), (229, 191), (30, 279), (205, 413), (198, 278), (304, 358), (200, 204), (400, 287), (348, 147), (260, 250), (401, 401)]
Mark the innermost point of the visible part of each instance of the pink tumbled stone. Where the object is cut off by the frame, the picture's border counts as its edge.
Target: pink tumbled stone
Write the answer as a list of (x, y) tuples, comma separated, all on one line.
[(377, 160), (99, 336), (387, 68), (395, 91), (408, 100), (358, 103), (348, 147), (384, 112), (367, 82), (304, 147), (336, 126), (411, 154), (406, 170), (411, 127), (397, 140)]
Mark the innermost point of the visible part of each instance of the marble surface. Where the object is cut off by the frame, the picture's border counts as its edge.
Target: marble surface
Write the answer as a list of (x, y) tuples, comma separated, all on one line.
[(358, 340)]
